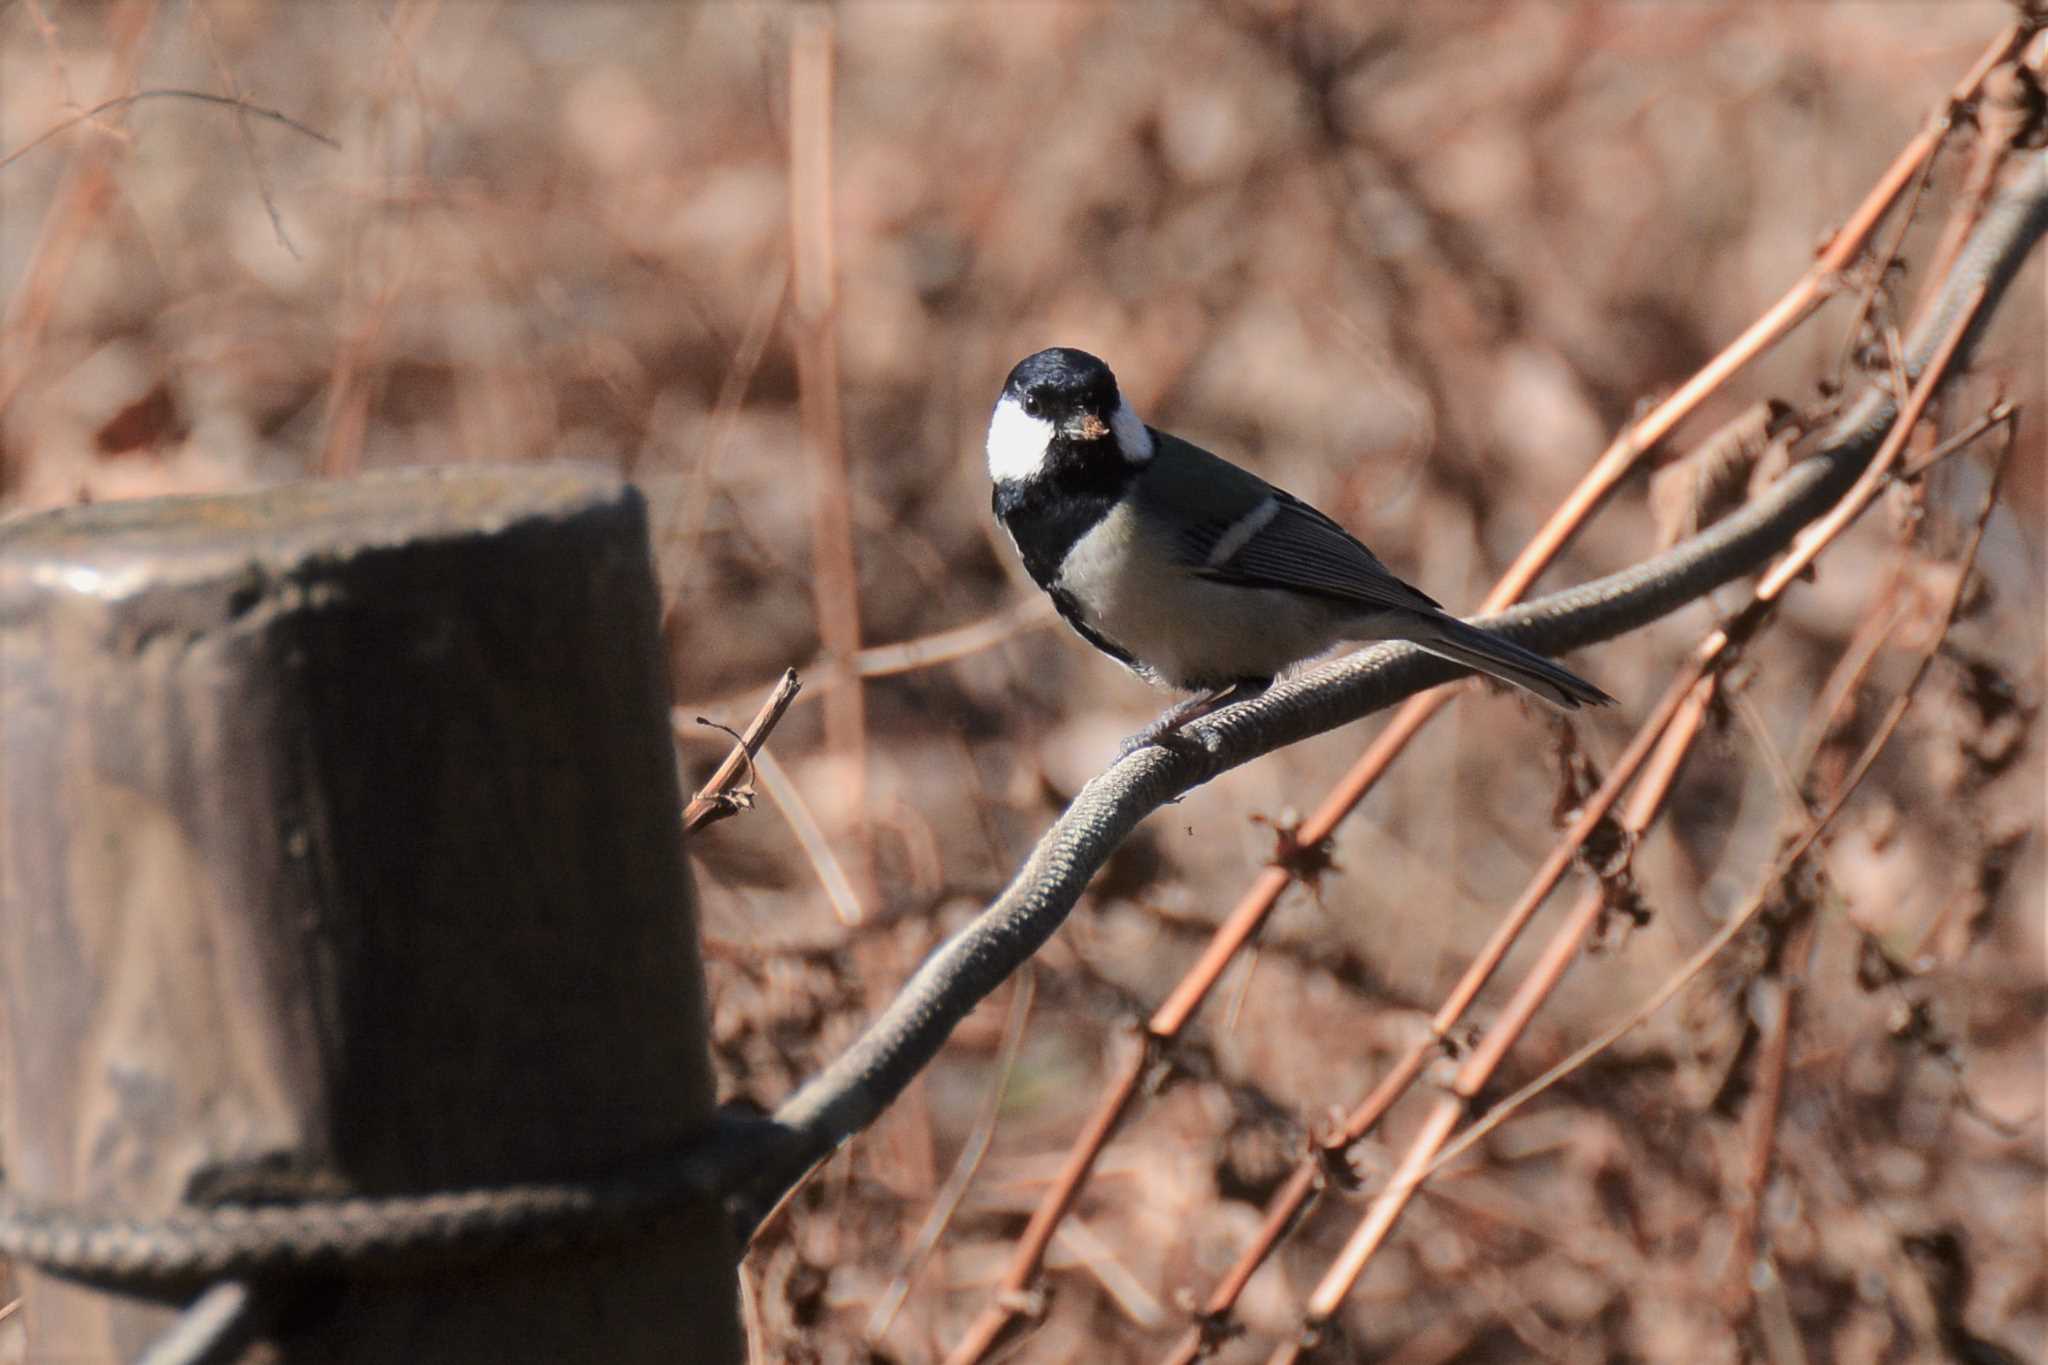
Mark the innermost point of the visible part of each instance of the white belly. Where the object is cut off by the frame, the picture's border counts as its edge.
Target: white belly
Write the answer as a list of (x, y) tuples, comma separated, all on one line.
[(1185, 631)]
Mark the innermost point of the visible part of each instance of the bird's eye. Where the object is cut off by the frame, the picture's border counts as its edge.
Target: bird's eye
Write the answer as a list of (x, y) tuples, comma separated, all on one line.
[(1032, 407)]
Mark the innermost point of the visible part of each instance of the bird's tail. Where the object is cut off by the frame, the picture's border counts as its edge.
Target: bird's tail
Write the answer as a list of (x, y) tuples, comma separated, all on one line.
[(1502, 658)]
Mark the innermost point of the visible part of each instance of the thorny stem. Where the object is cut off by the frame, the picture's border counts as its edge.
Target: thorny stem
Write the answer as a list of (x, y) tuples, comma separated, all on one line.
[(1243, 922)]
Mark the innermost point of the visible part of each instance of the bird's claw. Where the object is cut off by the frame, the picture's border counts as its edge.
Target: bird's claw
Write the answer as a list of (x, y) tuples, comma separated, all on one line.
[(1171, 738)]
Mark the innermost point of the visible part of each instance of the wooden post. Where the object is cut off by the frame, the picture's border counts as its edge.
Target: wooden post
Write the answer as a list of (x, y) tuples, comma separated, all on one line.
[(339, 853)]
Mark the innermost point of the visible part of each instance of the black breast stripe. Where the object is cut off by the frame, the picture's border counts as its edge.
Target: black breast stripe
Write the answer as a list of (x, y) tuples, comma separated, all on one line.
[(1045, 523), (1048, 515), (1044, 527), (1070, 612)]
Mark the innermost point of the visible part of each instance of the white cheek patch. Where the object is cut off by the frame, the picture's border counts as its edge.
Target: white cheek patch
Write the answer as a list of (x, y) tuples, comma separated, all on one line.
[(1017, 443), (1131, 436)]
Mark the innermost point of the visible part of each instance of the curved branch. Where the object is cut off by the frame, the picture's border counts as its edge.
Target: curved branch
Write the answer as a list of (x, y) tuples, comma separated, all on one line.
[(852, 1090)]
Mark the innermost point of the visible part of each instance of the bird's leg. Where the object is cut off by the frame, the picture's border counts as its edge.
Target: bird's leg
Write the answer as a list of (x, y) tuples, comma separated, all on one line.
[(1166, 731)]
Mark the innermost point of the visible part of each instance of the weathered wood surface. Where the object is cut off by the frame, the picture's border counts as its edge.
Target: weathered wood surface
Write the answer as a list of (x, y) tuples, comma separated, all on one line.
[(339, 851)]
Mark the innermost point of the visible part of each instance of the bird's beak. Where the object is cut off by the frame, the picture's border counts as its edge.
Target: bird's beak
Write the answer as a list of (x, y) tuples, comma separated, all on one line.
[(1088, 427)]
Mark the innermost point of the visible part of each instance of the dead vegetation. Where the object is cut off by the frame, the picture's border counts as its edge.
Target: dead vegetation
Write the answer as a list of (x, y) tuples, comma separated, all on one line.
[(1419, 264)]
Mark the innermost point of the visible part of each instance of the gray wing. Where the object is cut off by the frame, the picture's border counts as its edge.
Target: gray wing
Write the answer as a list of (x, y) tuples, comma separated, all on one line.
[(1293, 548), (1302, 550)]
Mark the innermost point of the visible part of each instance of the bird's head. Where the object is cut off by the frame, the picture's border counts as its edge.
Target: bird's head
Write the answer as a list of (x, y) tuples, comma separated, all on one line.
[(1061, 406)]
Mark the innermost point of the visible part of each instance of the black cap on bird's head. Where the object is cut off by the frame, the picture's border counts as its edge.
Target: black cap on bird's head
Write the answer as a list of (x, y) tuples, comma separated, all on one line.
[(1068, 388), (1065, 399)]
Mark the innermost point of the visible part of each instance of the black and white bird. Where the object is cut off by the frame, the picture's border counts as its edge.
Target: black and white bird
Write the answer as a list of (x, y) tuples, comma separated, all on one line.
[(1192, 572)]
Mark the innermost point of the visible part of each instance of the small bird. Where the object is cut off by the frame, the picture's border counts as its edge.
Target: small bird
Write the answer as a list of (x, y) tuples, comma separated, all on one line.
[(1190, 571)]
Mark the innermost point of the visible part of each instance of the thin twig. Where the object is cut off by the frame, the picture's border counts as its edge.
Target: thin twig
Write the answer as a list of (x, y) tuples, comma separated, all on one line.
[(218, 1327), (1838, 693), (2001, 414), (849, 1092), (814, 294), (379, 255), (1501, 1111), (693, 494), (1880, 269), (1806, 294), (245, 135), (66, 227), (2002, 113), (1483, 1059), (235, 102), (1013, 1290), (1084, 1247), (716, 799), (947, 1201), (1658, 767), (1667, 734), (1707, 952), (945, 646), (59, 72), (929, 651), (1816, 537), (1783, 982), (1812, 289), (775, 780)]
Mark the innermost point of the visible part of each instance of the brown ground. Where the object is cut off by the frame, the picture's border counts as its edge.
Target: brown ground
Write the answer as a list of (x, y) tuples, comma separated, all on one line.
[(1418, 264)]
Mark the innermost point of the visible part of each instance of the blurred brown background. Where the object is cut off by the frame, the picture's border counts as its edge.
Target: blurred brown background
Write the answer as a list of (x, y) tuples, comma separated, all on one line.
[(1417, 264)]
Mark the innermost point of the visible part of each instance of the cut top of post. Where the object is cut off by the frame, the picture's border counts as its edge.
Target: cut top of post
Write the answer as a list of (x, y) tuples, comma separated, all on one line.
[(114, 549)]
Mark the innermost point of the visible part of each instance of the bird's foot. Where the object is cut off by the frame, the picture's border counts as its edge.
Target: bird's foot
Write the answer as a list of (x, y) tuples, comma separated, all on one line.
[(1159, 734), (1169, 732)]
